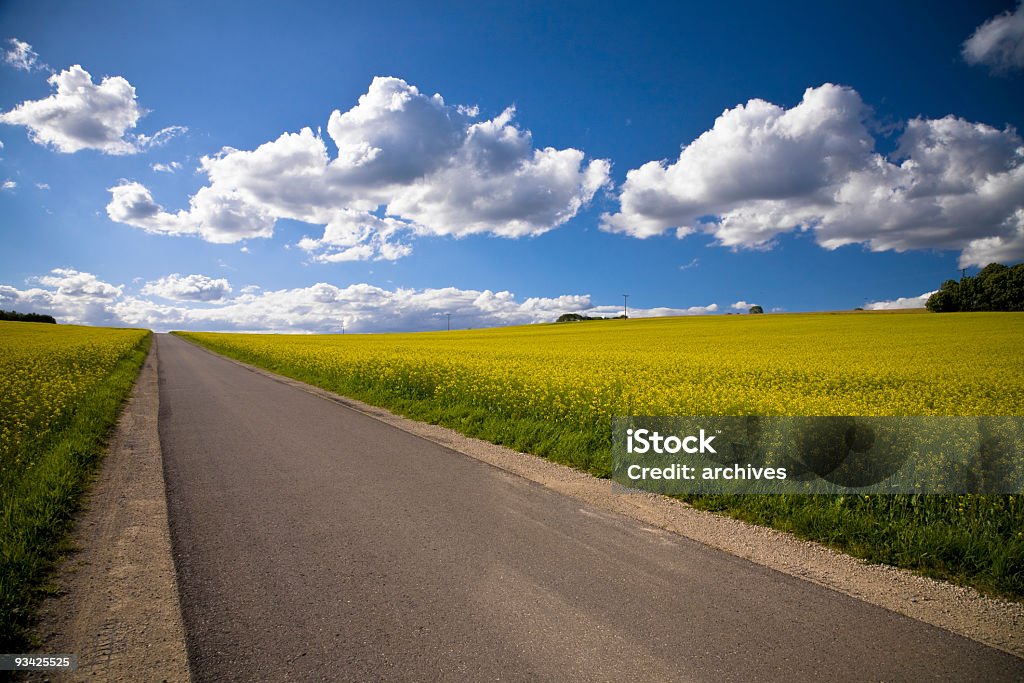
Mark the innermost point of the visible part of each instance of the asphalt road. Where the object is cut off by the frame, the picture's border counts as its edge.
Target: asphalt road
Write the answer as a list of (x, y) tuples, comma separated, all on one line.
[(315, 543)]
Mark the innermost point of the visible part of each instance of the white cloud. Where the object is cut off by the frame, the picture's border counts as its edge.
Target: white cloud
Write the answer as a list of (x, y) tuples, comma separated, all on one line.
[(9, 185), (70, 295), (188, 288), (902, 302), (214, 214), (20, 55), (1005, 248), (357, 236), (76, 297), (742, 305), (407, 165), (999, 42), (72, 283), (159, 138), (614, 311), (166, 168), (81, 114), (763, 170), (133, 203), (42, 186)]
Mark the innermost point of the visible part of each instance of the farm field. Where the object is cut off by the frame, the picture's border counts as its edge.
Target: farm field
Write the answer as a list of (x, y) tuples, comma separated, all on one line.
[(60, 390), (553, 389)]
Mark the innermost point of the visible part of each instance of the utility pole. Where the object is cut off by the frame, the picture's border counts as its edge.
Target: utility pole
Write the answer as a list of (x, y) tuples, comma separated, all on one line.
[(625, 306), (449, 321)]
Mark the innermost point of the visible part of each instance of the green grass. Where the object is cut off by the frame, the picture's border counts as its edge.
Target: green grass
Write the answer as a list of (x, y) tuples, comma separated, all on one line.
[(498, 385), (38, 509), (971, 540)]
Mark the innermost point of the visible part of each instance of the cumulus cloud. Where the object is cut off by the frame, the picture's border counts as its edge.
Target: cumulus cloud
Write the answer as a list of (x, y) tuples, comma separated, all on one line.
[(763, 170), (74, 296), (1004, 248), (21, 56), (215, 214), (81, 114), (407, 165), (9, 185), (999, 42), (357, 236), (902, 302), (188, 288), (76, 284), (742, 305), (203, 303)]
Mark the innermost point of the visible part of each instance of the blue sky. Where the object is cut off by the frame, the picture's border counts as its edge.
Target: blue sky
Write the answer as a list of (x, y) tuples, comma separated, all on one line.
[(802, 156)]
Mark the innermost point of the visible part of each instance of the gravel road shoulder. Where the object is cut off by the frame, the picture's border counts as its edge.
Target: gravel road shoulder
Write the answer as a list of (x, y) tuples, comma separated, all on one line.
[(961, 610), (118, 607)]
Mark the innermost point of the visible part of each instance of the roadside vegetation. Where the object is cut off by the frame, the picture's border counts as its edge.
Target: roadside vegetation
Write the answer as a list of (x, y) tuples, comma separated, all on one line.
[(553, 390), (61, 388)]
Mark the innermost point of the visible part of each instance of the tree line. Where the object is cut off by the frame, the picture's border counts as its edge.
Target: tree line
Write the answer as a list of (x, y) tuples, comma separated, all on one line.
[(995, 288), (577, 317), (27, 317)]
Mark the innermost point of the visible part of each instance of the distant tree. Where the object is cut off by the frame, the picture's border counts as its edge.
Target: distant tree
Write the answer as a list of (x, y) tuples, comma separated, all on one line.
[(575, 318), (946, 299), (755, 309), (995, 288), (991, 269), (27, 317), (1015, 287)]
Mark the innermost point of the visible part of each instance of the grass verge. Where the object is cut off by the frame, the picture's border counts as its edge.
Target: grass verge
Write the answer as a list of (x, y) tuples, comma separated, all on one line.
[(38, 511), (971, 540)]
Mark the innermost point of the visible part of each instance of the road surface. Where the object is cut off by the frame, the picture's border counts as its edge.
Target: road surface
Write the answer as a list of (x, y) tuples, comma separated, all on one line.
[(313, 542)]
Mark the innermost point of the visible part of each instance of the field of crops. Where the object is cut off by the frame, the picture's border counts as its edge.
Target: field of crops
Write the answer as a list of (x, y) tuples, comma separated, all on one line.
[(60, 389), (553, 390)]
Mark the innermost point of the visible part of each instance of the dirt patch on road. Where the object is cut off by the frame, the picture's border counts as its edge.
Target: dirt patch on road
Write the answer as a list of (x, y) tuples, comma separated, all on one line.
[(961, 610), (118, 606)]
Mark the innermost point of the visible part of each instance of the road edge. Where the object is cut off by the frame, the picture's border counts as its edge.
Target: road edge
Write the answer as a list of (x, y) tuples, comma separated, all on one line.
[(118, 607), (958, 609)]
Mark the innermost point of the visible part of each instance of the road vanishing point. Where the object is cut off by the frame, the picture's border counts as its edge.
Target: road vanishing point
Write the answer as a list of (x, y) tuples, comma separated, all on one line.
[(314, 542)]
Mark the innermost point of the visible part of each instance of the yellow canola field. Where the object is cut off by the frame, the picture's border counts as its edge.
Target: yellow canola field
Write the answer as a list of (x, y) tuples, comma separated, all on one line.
[(584, 373), (45, 371)]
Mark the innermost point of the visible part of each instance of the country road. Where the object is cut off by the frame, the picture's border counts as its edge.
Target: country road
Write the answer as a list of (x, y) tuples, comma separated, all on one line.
[(313, 542)]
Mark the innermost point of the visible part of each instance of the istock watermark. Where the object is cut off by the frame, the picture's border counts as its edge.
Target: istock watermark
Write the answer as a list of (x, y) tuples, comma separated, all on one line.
[(819, 454)]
